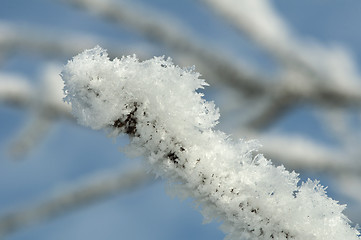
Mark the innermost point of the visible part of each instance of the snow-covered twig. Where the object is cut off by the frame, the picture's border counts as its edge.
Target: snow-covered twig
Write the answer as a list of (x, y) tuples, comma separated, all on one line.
[(78, 195), (157, 105)]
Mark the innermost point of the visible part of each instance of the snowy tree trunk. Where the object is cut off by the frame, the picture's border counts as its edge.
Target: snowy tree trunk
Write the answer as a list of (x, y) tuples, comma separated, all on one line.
[(171, 125)]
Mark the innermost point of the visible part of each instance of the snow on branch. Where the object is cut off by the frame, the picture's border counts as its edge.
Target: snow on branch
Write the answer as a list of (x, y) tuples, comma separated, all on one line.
[(157, 104)]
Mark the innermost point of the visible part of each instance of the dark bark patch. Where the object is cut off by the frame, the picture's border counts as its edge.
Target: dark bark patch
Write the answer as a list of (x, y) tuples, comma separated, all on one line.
[(129, 124), (173, 157)]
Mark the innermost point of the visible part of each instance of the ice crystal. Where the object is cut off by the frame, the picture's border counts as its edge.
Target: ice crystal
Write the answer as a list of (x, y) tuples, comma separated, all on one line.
[(157, 104)]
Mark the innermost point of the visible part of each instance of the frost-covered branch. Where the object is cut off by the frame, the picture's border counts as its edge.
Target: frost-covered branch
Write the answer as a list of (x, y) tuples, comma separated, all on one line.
[(78, 195), (168, 122)]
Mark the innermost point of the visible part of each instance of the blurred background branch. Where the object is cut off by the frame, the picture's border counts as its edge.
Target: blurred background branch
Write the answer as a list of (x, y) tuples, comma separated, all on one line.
[(78, 195)]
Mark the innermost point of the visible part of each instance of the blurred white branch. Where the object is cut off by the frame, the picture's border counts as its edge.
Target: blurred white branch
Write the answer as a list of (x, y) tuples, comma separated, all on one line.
[(293, 90), (15, 90), (34, 39), (93, 189), (350, 187), (164, 30), (45, 104), (305, 154), (322, 75), (272, 33), (16, 38)]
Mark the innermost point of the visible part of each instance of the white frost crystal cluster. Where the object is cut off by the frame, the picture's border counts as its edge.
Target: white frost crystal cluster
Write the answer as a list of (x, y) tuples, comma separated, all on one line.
[(168, 122)]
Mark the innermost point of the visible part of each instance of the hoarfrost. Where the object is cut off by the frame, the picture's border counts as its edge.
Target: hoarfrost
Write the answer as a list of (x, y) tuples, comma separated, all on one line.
[(157, 104)]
